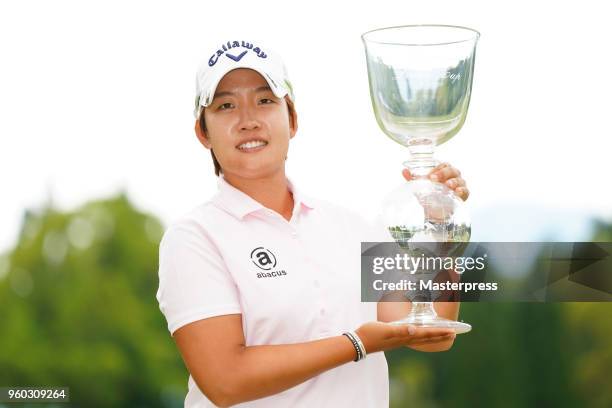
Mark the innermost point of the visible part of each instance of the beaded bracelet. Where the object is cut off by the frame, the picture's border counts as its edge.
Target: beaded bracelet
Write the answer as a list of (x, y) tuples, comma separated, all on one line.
[(359, 348)]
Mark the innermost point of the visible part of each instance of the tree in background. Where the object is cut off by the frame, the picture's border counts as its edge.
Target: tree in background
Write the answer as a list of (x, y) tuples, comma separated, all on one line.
[(517, 355), (78, 308), (591, 333)]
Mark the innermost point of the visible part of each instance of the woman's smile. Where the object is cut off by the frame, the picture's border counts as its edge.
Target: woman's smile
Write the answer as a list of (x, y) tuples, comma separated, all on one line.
[(252, 146)]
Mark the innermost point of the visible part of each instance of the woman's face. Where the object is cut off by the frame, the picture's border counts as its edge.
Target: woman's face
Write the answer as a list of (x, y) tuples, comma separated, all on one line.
[(245, 110)]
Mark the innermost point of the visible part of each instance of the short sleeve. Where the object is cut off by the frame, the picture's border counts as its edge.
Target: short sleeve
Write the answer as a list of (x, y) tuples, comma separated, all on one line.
[(194, 282)]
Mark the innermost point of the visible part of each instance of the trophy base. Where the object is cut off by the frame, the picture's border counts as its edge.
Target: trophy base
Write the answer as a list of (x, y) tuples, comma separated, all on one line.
[(435, 321)]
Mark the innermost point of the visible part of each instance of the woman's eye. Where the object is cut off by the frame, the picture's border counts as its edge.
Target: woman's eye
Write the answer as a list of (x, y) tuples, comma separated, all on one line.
[(224, 106), (266, 100)]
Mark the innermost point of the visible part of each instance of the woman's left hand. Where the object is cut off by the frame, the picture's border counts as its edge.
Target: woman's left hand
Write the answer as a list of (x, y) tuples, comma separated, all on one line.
[(446, 174)]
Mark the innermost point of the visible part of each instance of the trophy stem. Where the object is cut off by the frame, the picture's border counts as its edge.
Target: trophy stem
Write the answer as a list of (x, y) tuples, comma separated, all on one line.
[(421, 160), (423, 309), (423, 314)]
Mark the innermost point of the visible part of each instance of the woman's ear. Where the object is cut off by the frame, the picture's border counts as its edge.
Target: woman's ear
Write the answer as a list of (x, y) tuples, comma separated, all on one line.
[(293, 119), (202, 136)]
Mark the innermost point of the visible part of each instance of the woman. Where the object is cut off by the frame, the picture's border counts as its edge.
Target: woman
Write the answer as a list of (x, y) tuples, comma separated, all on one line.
[(260, 285)]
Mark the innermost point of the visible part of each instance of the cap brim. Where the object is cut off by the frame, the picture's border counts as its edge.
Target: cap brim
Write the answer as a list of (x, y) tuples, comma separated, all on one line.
[(277, 88)]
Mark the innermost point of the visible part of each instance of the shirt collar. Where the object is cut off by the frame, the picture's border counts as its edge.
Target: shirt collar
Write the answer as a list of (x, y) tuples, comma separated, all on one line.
[(239, 204)]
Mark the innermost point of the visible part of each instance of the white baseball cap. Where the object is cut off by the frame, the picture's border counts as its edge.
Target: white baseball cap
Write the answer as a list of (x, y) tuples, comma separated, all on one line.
[(240, 54)]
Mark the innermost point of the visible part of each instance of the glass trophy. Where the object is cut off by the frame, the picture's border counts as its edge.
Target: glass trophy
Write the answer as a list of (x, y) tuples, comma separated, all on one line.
[(420, 80)]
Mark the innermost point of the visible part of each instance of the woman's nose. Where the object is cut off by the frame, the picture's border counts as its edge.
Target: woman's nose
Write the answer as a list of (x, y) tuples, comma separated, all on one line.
[(248, 119)]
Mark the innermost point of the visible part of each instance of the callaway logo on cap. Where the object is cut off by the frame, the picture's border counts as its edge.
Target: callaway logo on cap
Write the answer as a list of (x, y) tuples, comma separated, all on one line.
[(240, 54)]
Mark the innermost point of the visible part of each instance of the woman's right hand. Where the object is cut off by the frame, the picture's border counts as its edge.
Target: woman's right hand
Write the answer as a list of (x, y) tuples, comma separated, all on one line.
[(379, 336)]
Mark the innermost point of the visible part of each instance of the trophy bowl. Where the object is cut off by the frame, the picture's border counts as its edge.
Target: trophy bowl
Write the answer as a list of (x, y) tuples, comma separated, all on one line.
[(420, 79)]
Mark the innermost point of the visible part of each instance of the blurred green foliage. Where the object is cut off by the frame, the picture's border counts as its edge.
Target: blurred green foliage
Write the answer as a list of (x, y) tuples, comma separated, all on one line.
[(517, 355), (78, 309)]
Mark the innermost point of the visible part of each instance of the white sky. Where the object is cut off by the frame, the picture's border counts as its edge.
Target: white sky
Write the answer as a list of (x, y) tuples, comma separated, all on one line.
[(96, 96)]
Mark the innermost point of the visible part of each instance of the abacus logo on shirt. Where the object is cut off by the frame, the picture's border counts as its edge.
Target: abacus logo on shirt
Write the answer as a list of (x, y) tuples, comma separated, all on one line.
[(265, 259)]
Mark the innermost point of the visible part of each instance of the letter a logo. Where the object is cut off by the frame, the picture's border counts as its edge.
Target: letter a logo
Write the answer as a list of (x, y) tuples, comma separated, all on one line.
[(263, 258)]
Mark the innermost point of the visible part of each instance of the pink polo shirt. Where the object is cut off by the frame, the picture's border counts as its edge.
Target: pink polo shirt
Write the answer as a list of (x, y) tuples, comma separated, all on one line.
[(292, 281)]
